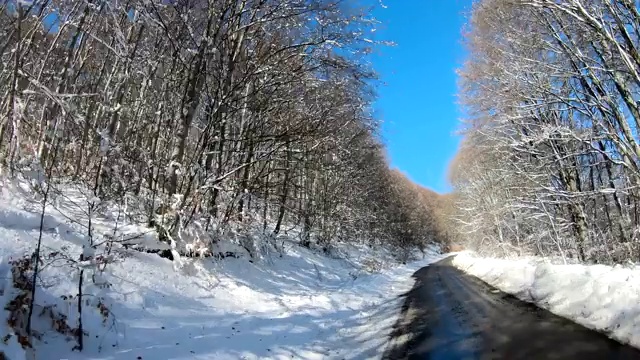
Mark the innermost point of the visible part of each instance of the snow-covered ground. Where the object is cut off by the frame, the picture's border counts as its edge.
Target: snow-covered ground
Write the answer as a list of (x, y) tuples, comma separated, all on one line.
[(301, 305), (606, 298)]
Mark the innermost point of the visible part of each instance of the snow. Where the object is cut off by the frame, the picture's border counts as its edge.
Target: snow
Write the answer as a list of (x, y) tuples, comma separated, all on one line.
[(604, 298), (11, 348), (301, 304)]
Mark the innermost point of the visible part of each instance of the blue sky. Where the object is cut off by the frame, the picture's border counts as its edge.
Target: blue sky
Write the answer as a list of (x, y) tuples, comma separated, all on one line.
[(417, 102)]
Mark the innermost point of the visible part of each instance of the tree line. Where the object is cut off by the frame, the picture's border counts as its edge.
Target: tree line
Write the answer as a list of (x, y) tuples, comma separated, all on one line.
[(550, 162), (252, 114)]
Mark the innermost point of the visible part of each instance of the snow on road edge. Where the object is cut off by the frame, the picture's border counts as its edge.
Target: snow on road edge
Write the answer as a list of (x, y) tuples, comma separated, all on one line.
[(600, 297), (373, 326)]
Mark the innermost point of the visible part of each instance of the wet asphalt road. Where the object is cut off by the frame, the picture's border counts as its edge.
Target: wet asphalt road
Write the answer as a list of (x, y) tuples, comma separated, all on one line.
[(451, 315)]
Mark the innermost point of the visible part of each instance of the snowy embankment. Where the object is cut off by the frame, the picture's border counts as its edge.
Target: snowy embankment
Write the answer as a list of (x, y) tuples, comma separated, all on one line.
[(605, 298), (300, 304)]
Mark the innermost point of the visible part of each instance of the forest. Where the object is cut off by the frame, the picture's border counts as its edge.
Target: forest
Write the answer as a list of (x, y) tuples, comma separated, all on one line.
[(550, 161), (229, 116), (214, 178), (256, 117)]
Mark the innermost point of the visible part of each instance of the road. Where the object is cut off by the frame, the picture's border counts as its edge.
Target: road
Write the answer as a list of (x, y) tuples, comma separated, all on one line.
[(451, 315)]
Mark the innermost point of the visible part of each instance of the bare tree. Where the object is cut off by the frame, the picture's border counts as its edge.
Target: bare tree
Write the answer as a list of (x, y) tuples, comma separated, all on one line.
[(552, 90)]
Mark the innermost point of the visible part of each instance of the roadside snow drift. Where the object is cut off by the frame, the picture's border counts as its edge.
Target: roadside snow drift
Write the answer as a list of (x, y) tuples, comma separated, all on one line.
[(300, 304), (600, 297)]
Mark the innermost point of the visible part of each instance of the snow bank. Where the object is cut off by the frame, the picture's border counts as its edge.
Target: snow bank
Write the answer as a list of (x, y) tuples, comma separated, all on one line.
[(599, 297), (301, 304)]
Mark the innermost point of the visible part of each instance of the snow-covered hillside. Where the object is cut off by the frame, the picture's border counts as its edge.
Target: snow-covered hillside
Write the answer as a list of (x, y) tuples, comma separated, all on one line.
[(300, 304), (599, 297)]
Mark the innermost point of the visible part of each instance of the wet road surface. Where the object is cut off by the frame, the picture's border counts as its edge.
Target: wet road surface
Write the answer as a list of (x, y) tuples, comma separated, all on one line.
[(451, 315)]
